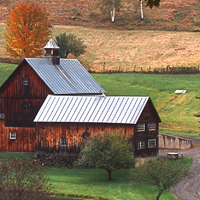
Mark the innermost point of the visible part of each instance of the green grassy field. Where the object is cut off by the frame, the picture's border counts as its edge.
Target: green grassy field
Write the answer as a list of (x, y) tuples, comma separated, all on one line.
[(5, 71), (177, 111), (85, 182), (94, 183)]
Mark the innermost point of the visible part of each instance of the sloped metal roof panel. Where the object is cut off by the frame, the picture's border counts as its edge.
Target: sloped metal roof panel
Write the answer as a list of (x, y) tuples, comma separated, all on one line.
[(91, 109), (70, 77), (51, 45)]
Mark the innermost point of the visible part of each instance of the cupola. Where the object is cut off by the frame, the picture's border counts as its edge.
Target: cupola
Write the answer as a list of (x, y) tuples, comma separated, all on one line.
[(52, 52)]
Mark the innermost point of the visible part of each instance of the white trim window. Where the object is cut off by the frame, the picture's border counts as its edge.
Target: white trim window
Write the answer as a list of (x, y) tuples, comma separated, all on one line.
[(13, 135), (63, 142), (141, 127), (152, 126), (152, 143), (140, 145)]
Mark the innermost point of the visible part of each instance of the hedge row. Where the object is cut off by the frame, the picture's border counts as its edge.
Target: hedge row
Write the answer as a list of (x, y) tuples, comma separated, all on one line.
[(60, 160)]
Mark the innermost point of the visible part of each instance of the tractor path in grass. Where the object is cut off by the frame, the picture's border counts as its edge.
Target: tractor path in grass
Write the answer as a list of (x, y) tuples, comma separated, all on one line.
[(189, 187)]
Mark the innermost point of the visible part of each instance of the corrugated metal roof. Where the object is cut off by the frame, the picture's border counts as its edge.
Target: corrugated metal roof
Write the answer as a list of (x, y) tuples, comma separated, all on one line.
[(51, 45), (70, 77), (91, 109)]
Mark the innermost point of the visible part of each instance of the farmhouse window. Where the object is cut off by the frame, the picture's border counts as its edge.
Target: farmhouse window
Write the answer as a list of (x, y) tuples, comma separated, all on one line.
[(63, 141), (13, 135), (140, 145), (152, 126), (152, 143), (25, 81), (141, 127)]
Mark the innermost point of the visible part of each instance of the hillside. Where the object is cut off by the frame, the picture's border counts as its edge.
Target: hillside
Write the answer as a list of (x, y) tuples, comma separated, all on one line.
[(183, 15), (127, 50)]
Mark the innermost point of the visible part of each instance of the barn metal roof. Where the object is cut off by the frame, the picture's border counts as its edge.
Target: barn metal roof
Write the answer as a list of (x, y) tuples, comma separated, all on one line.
[(70, 77), (91, 109)]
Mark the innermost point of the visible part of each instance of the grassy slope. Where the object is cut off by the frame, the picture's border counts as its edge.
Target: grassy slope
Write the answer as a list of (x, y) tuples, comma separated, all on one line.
[(177, 112)]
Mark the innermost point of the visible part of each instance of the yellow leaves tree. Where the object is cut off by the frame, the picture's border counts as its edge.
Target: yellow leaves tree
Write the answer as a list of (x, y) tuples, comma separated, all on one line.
[(26, 30)]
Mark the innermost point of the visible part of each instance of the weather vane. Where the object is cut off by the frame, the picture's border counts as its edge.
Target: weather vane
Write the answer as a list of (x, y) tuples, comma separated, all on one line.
[(51, 29)]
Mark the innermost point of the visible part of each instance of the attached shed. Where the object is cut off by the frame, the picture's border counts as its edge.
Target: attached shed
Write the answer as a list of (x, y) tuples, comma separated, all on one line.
[(63, 122)]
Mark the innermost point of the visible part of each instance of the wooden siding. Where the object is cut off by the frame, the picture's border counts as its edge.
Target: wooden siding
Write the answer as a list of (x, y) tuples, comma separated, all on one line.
[(13, 87), (48, 135), (20, 103), (148, 115), (24, 142)]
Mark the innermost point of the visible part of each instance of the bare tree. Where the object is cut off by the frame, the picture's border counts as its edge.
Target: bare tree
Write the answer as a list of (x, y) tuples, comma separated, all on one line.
[(111, 6)]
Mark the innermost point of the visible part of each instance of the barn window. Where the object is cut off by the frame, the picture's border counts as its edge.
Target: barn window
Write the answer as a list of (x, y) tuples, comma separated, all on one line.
[(141, 127), (63, 142), (152, 126), (2, 116), (25, 81), (140, 145), (152, 143), (13, 135), (86, 135)]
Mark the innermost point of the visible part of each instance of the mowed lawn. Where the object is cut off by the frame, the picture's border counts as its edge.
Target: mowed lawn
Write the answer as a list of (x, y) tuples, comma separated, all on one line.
[(94, 183), (177, 111), (86, 182)]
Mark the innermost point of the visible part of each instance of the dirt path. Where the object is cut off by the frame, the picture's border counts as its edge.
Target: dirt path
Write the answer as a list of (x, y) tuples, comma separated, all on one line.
[(188, 188)]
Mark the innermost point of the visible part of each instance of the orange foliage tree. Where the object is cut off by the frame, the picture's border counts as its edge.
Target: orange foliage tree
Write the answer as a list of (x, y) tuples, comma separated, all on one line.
[(26, 30)]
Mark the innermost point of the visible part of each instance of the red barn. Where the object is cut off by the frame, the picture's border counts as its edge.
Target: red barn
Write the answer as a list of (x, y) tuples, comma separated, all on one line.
[(75, 107), (23, 93)]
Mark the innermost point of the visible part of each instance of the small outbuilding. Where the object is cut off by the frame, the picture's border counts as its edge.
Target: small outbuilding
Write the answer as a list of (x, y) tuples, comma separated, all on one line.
[(64, 121)]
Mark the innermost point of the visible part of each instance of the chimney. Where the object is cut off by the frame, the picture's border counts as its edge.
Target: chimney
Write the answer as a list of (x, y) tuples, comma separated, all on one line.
[(52, 52)]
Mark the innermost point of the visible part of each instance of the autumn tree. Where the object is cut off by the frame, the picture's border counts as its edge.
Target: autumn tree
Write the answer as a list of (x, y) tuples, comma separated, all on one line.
[(70, 44), (26, 30), (159, 172), (109, 151)]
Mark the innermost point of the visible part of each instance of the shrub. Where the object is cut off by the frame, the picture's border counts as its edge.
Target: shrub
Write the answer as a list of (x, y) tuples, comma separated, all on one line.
[(22, 180)]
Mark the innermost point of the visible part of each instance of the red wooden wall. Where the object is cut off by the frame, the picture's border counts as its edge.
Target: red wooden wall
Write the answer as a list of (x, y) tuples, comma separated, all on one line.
[(48, 135), (24, 142), (19, 102)]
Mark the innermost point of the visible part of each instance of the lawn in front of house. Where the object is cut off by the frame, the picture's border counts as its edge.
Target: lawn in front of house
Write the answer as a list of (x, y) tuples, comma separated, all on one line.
[(93, 182), (86, 182)]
